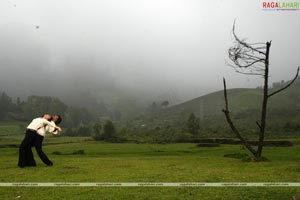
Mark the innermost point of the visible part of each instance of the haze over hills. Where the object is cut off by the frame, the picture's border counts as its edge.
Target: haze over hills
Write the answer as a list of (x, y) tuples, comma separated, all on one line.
[(158, 122), (245, 105), (127, 55)]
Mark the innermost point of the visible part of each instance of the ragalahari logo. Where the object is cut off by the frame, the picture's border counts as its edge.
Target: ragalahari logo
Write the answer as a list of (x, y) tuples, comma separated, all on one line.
[(281, 5)]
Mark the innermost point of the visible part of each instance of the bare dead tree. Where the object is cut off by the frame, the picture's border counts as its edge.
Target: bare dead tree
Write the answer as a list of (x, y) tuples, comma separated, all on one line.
[(252, 59)]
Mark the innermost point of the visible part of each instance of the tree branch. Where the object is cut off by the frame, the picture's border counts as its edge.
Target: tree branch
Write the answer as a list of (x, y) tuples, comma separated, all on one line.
[(259, 126), (250, 73), (244, 43), (250, 63), (288, 85), (233, 128)]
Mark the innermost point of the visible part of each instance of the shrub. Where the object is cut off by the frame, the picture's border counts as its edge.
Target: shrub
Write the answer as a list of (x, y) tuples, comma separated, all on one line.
[(80, 151), (208, 145), (183, 137), (56, 153)]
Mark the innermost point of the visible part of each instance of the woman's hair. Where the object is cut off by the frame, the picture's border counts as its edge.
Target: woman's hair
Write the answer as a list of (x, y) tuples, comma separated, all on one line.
[(59, 119)]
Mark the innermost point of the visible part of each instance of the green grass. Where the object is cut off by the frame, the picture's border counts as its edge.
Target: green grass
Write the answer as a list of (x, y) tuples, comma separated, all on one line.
[(105, 162), (11, 128)]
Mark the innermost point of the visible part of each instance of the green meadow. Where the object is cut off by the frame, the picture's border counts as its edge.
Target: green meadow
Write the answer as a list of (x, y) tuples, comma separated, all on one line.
[(81, 159)]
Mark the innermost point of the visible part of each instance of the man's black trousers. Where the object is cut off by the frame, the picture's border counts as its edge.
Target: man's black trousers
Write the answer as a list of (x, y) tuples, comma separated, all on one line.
[(32, 138)]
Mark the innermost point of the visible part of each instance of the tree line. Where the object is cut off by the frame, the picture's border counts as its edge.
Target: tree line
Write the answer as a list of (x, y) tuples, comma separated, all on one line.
[(35, 106)]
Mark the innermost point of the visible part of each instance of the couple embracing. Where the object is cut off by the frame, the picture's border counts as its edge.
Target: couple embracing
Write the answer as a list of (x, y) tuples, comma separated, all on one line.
[(34, 136)]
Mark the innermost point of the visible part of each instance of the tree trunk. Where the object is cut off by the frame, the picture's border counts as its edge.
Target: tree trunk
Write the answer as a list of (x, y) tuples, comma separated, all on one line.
[(262, 125)]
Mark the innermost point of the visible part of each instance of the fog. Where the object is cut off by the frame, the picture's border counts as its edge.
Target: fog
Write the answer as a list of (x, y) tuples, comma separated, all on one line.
[(139, 50)]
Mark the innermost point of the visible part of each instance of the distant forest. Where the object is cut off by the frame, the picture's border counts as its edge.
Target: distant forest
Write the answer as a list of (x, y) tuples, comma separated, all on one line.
[(160, 123), (35, 106)]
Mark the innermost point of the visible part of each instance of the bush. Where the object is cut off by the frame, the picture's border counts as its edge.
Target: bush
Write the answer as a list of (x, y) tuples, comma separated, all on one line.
[(183, 137), (75, 152), (69, 132), (208, 145), (237, 155), (108, 130), (56, 153), (84, 131), (98, 137), (116, 140)]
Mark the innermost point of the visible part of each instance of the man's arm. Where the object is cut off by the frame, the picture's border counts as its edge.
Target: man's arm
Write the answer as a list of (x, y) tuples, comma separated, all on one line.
[(52, 130), (51, 125)]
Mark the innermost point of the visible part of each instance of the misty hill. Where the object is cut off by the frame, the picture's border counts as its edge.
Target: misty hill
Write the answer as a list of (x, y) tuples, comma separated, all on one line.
[(245, 105), (240, 100)]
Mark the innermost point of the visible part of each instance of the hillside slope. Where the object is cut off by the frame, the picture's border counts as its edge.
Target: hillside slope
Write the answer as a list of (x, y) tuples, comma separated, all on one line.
[(240, 100), (245, 105)]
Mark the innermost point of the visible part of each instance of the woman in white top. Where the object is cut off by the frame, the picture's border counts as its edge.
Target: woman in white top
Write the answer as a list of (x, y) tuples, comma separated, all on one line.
[(31, 139)]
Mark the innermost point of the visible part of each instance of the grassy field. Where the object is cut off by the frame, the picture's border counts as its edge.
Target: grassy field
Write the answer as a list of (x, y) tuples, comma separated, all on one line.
[(105, 162), (11, 128)]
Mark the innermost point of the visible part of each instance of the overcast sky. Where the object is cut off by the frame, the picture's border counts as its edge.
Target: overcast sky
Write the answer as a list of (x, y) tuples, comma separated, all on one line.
[(169, 48)]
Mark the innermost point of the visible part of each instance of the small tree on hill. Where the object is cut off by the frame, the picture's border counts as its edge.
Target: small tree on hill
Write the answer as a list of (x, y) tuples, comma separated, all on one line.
[(165, 104), (84, 131), (97, 131), (108, 130), (252, 59), (193, 124)]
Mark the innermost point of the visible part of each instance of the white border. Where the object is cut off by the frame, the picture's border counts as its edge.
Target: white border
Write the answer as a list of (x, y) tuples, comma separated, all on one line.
[(149, 184)]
